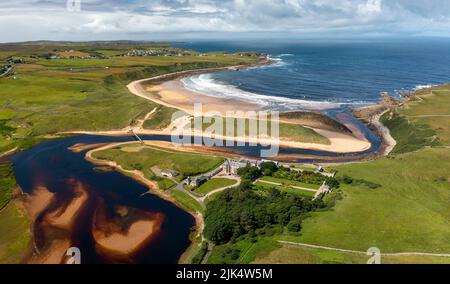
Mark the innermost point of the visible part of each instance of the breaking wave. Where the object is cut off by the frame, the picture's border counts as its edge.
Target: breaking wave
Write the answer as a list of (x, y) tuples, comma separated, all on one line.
[(207, 85)]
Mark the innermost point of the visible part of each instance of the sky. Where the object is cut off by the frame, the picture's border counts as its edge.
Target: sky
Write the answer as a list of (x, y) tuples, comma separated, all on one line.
[(26, 20)]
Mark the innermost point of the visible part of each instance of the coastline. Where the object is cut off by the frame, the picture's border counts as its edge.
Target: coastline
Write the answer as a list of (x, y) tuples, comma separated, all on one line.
[(371, 116)]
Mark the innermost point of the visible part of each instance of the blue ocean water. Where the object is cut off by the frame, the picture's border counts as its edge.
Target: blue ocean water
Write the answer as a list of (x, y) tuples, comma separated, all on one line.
[(326, 74)]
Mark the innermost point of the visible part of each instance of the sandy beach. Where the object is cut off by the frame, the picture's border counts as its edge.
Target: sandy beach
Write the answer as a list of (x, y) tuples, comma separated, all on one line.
[(173, 94)]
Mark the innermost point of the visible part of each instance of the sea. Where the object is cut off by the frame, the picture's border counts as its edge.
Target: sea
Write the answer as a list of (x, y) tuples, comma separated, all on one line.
[(321, 74)]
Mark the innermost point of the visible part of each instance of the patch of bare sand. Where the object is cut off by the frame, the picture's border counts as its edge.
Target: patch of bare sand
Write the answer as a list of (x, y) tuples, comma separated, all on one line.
[(65, 217), (56, 225), (36, 203), (121, 234), (55, 254), (80, 147)]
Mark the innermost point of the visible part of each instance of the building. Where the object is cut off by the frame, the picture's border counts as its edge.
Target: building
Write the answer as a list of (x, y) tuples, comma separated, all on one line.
[(324, 189), (169, 173), (196, 181), (231, 166)]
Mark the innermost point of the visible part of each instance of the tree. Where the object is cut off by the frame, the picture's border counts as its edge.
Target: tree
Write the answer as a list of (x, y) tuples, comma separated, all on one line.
[(332, 182), (295, 225), (268, 168), (249, 173), (347, 180)]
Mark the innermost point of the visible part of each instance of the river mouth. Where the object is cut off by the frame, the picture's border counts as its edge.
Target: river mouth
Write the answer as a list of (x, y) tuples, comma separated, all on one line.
[(108, 215)]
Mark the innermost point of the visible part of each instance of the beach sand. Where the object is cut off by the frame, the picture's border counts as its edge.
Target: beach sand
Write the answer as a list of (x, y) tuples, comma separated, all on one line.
[(173, 94), (38, 202), (57, 224), (119, 234)]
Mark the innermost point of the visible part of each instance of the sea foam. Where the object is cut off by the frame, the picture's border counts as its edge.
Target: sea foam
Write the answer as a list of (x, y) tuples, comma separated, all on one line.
[(205, 84)]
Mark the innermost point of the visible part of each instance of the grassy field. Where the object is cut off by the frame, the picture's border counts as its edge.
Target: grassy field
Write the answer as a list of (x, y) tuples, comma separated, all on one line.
[(410, 211), (242, 252), (433, 110), (7, 183), (299, 192), (214, 184), (15, 234), (149, 160), (187, 202), (287, 182), (291, 254)]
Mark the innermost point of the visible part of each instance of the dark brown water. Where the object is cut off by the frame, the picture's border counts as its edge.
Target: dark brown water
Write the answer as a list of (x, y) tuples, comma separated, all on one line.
[(53, 166)]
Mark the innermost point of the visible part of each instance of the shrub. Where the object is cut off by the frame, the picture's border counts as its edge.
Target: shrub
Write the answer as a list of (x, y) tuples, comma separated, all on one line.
[(295, 225)]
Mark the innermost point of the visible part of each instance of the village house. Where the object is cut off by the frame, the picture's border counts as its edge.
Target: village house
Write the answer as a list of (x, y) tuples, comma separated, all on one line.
[(169, 173), (196, 181), (231, 167)]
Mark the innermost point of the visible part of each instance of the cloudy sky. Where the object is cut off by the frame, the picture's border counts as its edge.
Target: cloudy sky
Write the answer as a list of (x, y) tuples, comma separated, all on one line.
[(180, 19)]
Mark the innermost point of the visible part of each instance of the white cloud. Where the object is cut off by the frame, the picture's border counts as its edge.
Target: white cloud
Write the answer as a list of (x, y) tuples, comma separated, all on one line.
[(36, 19), (370, 7)]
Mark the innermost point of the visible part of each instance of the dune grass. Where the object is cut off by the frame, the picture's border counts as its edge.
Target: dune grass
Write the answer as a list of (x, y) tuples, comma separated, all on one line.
[(161, 119), (245, 127)]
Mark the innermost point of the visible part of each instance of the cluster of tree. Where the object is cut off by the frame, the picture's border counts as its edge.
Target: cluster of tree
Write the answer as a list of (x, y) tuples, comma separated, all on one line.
[(253, 173), (5, 129), (250, 174), (241, 211)]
